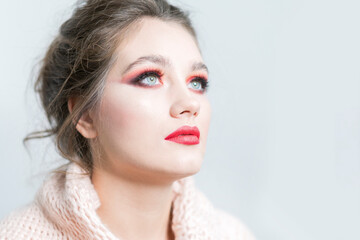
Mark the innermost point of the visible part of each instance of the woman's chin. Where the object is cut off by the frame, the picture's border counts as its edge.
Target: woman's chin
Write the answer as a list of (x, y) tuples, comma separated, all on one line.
[(184, 167)]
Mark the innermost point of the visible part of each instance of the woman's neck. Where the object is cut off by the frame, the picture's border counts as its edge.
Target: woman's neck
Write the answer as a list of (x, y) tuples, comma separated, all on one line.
[(134, 208)]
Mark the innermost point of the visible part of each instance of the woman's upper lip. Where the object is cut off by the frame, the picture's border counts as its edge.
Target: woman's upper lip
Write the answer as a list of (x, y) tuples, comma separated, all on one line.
[(184, 130)]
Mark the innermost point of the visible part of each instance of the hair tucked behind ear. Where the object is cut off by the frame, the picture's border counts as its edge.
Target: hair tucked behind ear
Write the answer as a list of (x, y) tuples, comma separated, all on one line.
[(78, 60)]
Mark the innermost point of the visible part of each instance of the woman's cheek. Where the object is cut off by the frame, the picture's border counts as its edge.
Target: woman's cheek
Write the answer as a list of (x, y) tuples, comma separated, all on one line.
[(123, 112), (204, 119), (117, 115)]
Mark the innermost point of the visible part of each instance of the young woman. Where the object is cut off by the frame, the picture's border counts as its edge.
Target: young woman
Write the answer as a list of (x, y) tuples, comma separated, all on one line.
[(124, 88)]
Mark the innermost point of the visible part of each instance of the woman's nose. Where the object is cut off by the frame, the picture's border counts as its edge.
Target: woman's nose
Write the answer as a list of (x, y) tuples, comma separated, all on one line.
[(185, 105)]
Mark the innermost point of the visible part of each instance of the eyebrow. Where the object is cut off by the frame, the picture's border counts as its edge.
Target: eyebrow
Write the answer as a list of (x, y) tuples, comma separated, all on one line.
[(199, 66), (160, 60)]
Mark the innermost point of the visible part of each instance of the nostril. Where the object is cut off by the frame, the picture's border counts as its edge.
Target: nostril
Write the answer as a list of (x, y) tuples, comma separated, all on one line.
[(184, 111), (184, 108)]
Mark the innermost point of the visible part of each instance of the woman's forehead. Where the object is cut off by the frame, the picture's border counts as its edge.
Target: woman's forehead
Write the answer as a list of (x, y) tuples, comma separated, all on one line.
[(153, 36)]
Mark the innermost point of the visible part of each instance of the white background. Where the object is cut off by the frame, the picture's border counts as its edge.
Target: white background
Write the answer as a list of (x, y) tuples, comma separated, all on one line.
[(283, 150)]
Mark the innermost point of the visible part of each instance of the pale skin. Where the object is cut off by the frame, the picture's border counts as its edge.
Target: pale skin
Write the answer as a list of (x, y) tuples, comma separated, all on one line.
[(134, 173)]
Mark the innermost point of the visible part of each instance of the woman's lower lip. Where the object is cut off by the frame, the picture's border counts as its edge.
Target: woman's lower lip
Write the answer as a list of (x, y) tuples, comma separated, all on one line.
[(185, 139)]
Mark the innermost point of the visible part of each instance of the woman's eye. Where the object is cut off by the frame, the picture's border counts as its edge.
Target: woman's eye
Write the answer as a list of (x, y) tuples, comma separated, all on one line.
[(148, 79), (198, 84)]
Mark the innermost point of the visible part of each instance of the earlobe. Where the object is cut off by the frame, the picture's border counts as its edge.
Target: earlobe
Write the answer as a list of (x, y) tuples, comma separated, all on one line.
[(85, 126)]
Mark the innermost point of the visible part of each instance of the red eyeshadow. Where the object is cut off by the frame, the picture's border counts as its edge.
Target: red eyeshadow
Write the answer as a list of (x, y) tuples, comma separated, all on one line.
[(128, 77), (195, 76)]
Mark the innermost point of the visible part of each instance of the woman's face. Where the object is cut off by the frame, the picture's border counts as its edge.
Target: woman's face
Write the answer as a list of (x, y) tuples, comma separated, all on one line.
[(155, 87)]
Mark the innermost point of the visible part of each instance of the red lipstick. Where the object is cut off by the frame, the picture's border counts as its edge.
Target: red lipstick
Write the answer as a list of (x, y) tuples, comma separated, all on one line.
[(185, 135)]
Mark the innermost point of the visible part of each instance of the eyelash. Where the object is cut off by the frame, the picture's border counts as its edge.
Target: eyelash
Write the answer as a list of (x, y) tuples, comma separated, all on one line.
[(203, 80), (137, 80)]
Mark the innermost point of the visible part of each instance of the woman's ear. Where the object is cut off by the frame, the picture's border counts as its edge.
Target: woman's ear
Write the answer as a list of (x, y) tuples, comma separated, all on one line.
[(85, 126)]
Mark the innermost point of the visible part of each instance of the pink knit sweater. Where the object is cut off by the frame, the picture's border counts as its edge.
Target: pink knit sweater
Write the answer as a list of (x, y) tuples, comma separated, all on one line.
[(65, 208)]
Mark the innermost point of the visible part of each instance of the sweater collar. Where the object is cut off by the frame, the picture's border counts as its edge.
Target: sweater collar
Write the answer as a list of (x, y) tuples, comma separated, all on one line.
[(70, 201)]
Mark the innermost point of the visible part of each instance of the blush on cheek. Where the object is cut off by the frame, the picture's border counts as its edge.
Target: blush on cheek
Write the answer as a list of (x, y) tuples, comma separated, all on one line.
[(123, 108), (117, 115)]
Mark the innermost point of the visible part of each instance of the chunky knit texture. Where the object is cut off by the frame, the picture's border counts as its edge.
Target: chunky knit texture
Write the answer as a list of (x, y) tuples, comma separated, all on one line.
[(65, 208)]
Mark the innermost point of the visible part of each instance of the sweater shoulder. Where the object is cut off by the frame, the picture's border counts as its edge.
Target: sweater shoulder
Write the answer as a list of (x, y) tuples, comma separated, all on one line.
[(232, 227), (226, 226), (28, 222)]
